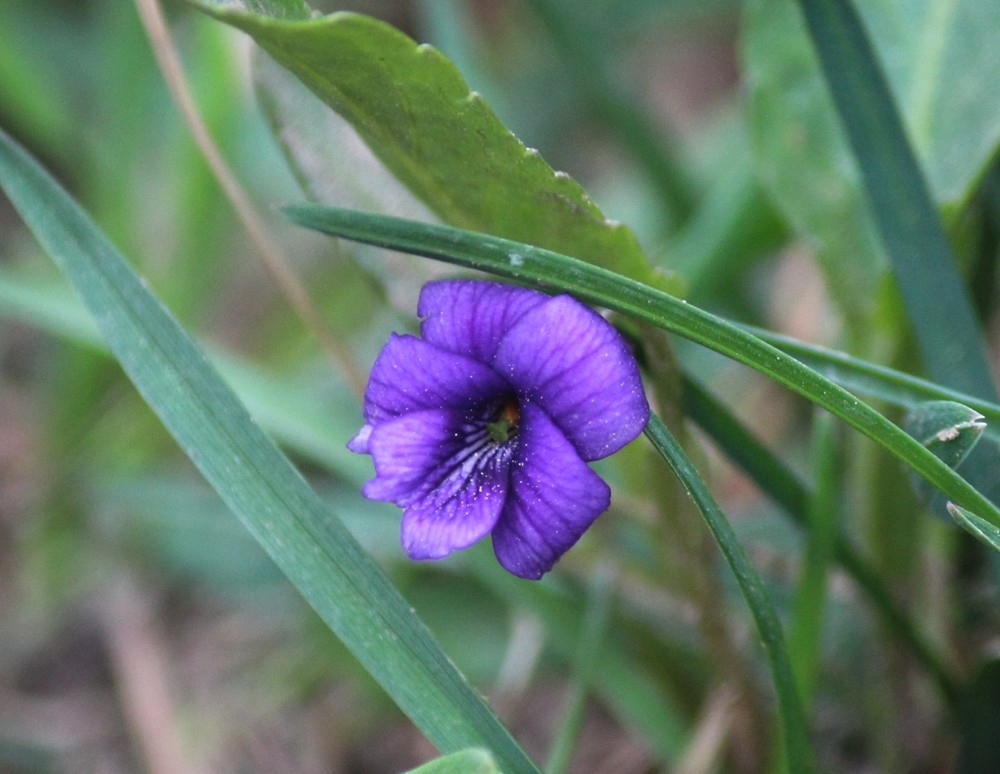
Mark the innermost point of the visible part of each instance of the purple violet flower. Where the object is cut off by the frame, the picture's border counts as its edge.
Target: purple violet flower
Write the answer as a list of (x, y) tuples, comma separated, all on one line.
[(486, 423)]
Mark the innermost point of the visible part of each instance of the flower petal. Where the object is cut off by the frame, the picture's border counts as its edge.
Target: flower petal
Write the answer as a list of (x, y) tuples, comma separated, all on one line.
[(554, 497), (569, 360), (471, 316), (412, 375), (442, 467), (359, 443)]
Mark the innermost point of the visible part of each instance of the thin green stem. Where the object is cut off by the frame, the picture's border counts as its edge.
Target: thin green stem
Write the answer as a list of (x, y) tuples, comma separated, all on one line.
[(798, 756), (810, 595), (784, 487)]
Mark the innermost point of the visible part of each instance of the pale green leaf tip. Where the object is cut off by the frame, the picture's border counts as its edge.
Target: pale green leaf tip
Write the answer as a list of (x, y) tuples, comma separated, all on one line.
[(949, 429), (975, 525), (294, 10), (474, 760)]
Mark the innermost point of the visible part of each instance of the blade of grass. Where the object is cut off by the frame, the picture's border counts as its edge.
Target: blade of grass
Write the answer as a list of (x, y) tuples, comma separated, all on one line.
[(937, 305), (798, 756), (310, 545), (810, 595), (877, 381), (545, 269)]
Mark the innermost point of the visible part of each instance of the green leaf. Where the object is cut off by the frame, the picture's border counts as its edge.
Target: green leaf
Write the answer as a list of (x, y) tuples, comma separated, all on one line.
[(473, 761), (536, 267), (804, 636), (798, 756), (412, 107), (310, 545), (333, 166), (975, 526)]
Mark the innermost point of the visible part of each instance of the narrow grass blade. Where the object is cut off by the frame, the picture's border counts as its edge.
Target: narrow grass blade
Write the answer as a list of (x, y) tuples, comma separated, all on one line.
[(545, 269), (875, 381), (798, 755), (810, 596), (937, 305), (256, 481)]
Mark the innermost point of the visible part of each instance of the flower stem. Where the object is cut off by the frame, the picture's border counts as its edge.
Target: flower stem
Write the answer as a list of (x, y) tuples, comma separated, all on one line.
[(798, 756)]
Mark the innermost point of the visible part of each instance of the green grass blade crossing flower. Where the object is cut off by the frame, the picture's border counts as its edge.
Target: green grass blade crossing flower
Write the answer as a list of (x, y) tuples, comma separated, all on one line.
[(256, 481), (545, 269)]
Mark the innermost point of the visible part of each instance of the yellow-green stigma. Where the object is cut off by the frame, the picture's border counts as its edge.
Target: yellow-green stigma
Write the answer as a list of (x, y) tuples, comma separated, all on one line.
[(506, 424)]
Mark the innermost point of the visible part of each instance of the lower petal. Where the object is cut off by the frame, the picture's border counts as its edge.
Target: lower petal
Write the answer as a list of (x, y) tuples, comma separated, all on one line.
[(554, 497), (443, 469)]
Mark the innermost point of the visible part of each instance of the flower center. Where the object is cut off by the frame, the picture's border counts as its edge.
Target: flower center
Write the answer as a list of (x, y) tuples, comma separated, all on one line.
[(505, 425)]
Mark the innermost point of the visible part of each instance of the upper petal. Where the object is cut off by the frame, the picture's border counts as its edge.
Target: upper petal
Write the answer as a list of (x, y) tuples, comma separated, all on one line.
[(554, 497), (569, 360), (442, 467), (471, 316), (412, 375)]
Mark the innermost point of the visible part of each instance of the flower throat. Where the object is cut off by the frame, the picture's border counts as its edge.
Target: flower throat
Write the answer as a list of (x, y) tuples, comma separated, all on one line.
[(505, 426)]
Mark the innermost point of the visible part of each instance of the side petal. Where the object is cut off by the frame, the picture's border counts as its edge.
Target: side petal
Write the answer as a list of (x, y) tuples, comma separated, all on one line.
[(444, 470), (471, 316), (412, 375), (554, 497), (359, 443), (569, 360)]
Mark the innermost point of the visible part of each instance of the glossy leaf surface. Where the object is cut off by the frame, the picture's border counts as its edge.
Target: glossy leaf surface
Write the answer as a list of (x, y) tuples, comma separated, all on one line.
[(414, 110)]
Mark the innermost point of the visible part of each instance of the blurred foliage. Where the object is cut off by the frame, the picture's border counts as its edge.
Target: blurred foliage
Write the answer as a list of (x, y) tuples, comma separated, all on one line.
[(680, 119)]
